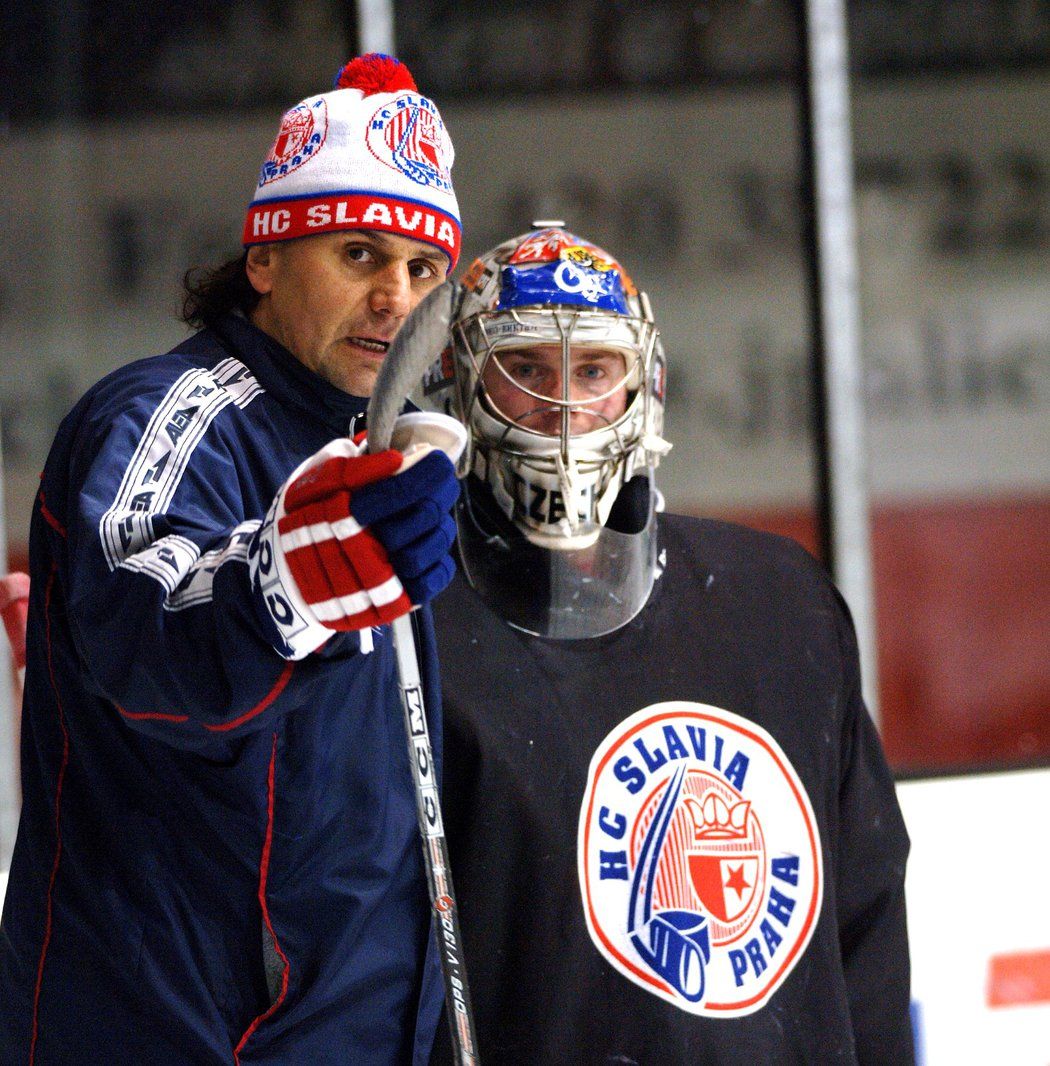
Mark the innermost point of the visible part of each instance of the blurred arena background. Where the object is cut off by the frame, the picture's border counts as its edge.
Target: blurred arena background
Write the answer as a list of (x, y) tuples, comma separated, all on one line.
[(672, 133)]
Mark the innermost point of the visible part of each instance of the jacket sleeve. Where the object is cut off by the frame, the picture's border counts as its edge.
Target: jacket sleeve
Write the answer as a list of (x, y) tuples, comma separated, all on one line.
[(871, 856), (158, 524)]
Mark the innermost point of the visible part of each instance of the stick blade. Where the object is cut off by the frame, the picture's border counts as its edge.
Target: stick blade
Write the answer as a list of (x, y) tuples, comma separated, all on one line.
[(418, 343)]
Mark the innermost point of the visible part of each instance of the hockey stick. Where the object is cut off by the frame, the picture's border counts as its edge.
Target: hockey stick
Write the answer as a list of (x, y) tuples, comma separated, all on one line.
[(418, 343)]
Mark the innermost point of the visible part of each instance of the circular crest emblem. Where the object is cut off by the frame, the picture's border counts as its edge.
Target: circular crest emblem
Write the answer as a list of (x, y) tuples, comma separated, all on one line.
[(699, 858), (409, 136), (303, 131)]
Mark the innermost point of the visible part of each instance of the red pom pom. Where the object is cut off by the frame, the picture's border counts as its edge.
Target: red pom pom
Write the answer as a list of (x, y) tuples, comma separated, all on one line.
[(376, 73)]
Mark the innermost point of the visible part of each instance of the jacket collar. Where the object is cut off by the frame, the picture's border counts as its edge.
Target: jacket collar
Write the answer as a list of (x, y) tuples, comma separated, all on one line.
[(280, 373)]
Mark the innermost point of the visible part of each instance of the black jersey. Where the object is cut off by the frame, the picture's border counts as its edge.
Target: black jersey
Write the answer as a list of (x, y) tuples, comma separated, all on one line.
[(677, 843)]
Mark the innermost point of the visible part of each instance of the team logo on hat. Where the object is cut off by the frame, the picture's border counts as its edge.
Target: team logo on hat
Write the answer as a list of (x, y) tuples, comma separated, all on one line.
[(303, 131), (699, 858), (408, 135)]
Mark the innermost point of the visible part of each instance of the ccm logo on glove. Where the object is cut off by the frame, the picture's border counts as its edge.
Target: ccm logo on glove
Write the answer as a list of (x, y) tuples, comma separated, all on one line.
[(355, 540)]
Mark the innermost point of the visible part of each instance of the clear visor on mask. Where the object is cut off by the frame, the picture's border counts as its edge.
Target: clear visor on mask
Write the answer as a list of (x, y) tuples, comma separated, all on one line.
[(562, 595)]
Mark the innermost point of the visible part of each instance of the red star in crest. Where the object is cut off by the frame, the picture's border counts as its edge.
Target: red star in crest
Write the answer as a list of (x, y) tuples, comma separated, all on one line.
[(736, 881)]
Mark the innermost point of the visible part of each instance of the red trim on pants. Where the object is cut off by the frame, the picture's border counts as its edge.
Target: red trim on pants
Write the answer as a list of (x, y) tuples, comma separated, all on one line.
[(264, 867), (58, 812)]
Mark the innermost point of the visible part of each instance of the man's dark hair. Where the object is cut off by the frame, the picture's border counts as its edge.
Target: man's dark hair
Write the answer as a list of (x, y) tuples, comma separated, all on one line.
[(212, 293)]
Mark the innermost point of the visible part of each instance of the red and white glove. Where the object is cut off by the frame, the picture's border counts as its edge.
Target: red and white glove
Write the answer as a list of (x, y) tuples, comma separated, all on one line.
[(354, 539)]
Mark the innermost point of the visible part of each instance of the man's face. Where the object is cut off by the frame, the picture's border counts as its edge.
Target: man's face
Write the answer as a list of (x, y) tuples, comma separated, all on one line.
[(596, 387), (337, 300)]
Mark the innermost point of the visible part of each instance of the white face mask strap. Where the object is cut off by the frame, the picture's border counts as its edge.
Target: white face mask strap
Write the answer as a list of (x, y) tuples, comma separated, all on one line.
[(567, 481)]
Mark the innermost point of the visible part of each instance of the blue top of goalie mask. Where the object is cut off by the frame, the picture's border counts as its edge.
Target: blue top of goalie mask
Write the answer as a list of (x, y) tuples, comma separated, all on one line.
[(584, 280)]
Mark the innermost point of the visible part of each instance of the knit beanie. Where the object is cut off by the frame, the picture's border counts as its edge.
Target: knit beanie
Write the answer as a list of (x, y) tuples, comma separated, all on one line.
[(372, 154)]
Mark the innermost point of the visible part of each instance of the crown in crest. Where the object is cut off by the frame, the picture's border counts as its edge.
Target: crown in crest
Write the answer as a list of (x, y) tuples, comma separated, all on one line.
[(714, 819)]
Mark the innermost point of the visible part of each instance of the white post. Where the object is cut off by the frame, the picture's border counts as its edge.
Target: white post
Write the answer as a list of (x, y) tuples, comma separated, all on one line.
[(375, 26), (839, 325)]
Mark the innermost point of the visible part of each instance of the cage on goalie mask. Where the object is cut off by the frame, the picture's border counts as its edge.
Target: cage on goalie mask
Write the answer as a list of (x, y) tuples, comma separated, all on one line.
[(559, 380)]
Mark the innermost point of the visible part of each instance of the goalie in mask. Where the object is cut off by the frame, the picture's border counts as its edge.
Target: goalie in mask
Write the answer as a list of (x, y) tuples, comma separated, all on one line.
[(674, 833), (559, 378)]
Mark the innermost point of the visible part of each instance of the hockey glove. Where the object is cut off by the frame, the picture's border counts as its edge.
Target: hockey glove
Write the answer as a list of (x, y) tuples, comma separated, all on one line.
[(356, 540)]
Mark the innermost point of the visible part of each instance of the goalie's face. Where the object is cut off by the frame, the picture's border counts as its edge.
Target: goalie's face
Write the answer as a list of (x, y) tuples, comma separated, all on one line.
[(545, 390)]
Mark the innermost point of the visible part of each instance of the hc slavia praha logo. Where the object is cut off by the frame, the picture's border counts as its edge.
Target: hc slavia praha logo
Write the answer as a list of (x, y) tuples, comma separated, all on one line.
[(699, 858), (303, 131), (408, 135)]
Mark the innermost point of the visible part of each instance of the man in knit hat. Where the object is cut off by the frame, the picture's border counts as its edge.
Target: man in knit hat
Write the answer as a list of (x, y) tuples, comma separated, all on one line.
[(218, 858)]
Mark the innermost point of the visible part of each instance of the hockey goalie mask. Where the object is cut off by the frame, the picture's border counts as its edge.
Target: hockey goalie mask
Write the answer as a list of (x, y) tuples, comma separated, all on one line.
[(559, 380)]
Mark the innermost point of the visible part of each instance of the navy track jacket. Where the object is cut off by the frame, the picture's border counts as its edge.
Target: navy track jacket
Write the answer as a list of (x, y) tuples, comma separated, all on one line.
[(218, 859)]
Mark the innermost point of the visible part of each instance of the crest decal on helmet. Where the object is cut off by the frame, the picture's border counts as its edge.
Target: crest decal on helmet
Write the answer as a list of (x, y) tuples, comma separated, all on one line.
[(699, 858), (553, 266), (541, 246), (302, 133), (408, 135)]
